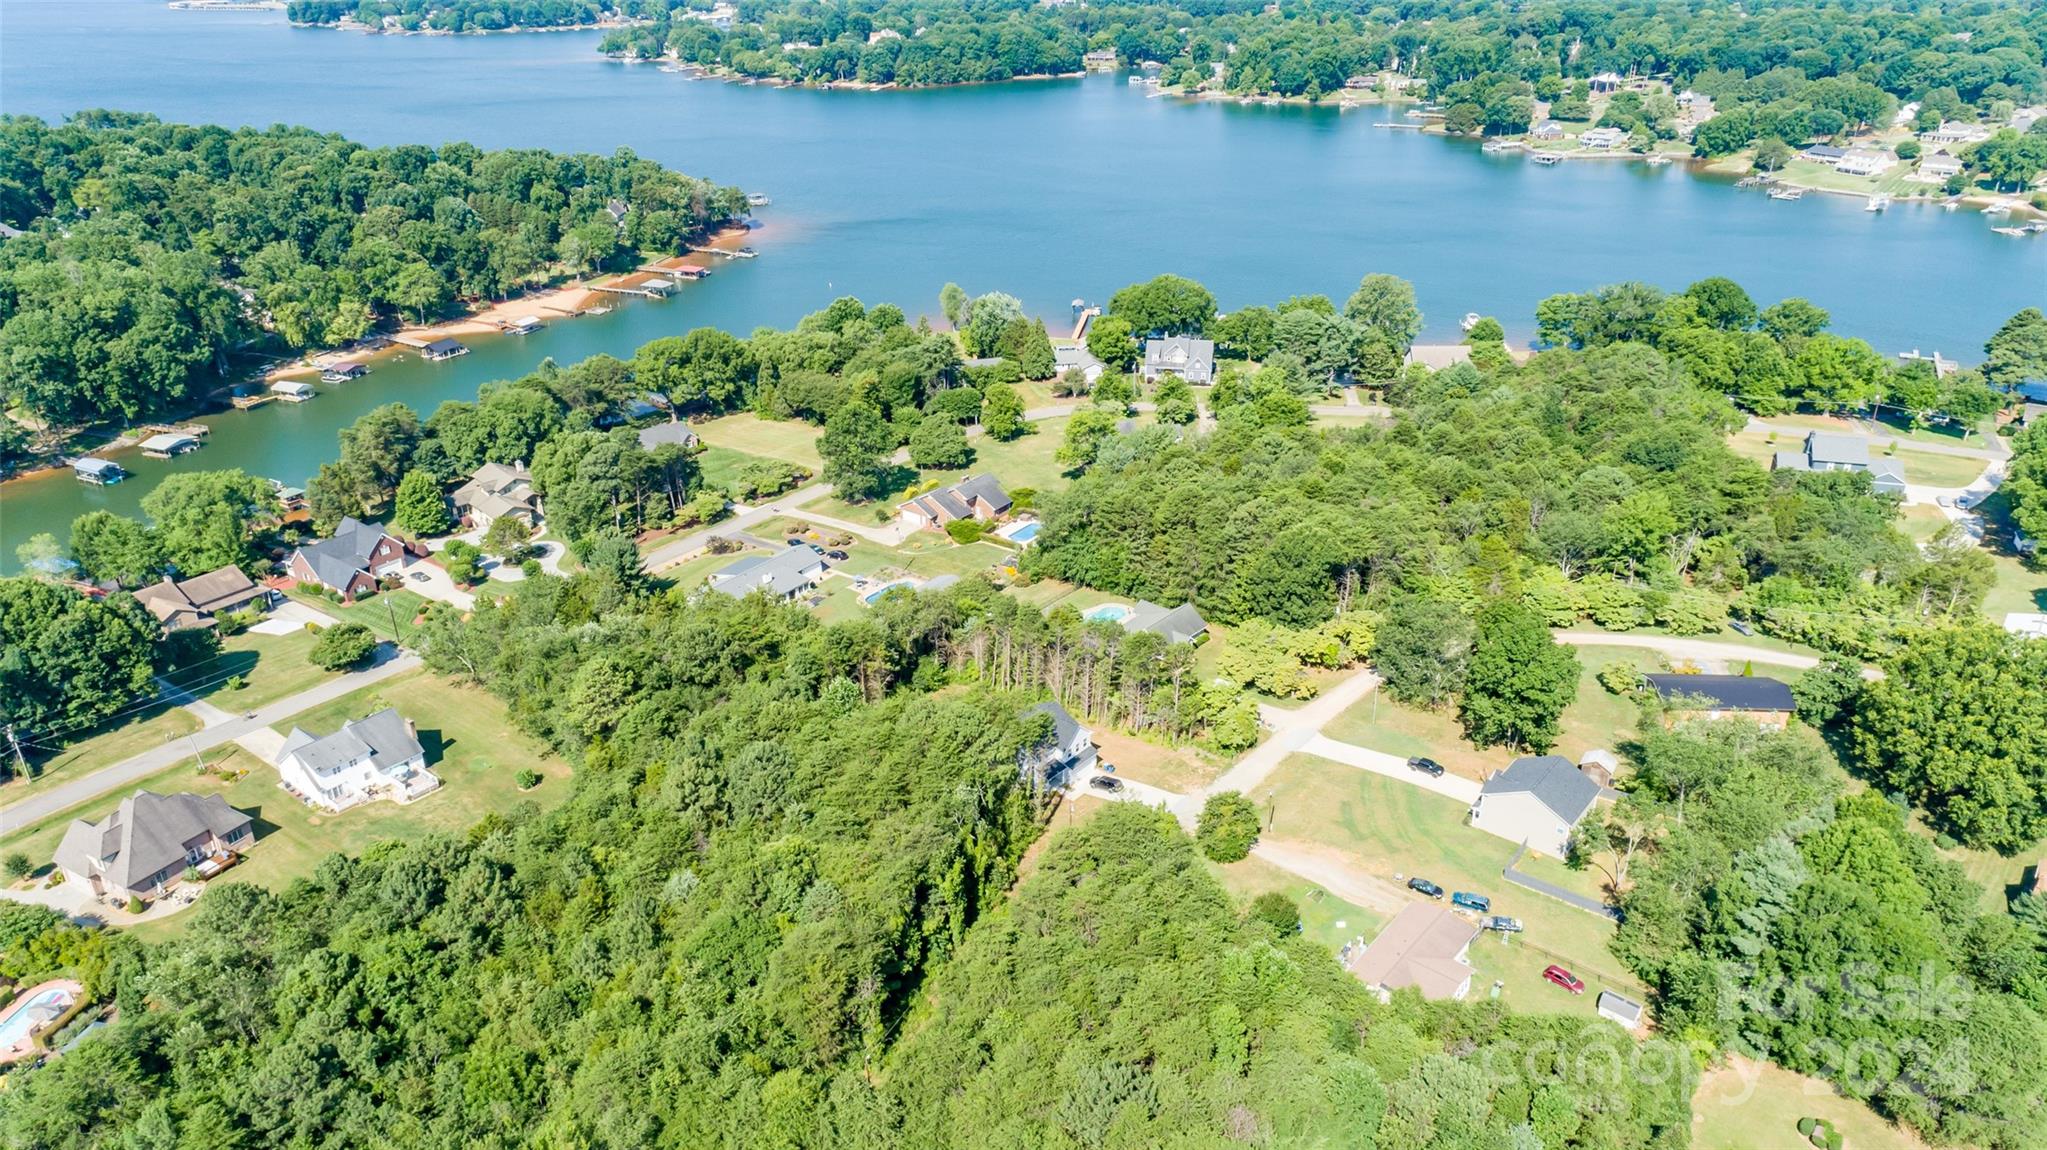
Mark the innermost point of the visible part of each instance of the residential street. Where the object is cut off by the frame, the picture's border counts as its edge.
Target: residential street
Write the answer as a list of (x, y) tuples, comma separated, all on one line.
[(682, 546), (128, 771)]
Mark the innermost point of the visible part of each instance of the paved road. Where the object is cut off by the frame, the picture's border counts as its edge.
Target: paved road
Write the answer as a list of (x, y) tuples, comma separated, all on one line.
[(1393, 767), (1292, 728), (88, 787), (682, 546), (1699, 650)]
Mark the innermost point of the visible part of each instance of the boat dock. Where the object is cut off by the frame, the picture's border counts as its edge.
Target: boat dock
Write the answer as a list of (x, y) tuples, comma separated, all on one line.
[(675, 268), (646, 285), (1546, 159), (728, 253)]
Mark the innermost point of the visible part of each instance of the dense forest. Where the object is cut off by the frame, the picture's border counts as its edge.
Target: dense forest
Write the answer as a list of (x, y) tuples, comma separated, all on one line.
[(153, 251), (1958, 59), (763, 918), (472, 15)]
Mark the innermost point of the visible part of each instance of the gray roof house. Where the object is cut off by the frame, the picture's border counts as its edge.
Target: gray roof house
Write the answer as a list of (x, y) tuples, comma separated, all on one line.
[(1619, 1008), (1536, 801), (1069, 747), (783, 575), (1768, 701), (148, 842), (1182, 624), (973, 497), (1066, 357), (182, 604), (1186, 356), (674, 431), (350, 561), (1833, 451), (376, 756)]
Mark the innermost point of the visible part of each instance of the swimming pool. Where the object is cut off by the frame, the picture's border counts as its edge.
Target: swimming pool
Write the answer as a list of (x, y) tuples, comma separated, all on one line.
[(39, 1007), (1106, 613), (884, 589), (1021, 532)]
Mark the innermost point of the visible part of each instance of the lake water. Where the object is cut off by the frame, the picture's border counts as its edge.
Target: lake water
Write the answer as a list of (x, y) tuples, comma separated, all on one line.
[(1048, 190)]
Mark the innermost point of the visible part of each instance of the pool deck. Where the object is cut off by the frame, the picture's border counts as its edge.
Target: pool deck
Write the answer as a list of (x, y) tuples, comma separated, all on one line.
[(71, 990)]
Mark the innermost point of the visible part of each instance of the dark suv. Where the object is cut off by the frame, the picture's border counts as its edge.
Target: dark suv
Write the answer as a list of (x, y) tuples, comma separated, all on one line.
[(1423, 886), (1429, 767)]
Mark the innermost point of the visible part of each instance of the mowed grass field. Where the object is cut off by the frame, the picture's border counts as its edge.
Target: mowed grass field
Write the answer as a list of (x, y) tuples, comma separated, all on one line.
[(271, 667), (122, 738), (1325, 918), (470, 743), (1748, 1105), (1392, 831), (389, 614), (1024, 462), (786, 439)]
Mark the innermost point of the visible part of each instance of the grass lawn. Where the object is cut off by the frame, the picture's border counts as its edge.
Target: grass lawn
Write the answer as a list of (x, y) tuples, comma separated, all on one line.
[(1325, 918), (129, 736), (1930, 470), (1184, 768), (1025, 461), (2001, 878), (1889, 423), (2015, 588), (470, 744), (1921, 522), (721, 466), (691, 572), (924, 554), (792, 440), (1394, 831), (272, 667), (378, 612), (1756, 1106)]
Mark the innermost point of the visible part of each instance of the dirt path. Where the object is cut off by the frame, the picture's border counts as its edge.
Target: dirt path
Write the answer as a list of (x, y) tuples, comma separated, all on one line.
[(1327, 868)]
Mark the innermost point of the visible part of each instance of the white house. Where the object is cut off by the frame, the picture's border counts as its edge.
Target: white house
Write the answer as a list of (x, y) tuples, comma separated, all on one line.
[(1602, 138), (1068, 749), (1862, 162), (1536, 801), (1185, 356), (1940, 166), (375, 757), (783, 575)]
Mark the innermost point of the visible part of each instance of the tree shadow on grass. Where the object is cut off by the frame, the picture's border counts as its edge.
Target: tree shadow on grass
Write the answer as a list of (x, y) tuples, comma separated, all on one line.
[(204, 679)]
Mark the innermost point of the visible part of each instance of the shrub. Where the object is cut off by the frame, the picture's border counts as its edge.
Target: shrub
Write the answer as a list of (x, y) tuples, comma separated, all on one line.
[(341, 646), (1806, 1125), (1620, 678), (17, 866), (135, 905), (1277, 911), (1228, 828), (528, 779), (722, 545), (236, 682), (966, 530)]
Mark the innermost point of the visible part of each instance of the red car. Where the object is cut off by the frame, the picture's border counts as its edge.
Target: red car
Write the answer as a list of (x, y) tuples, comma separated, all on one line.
[(1564, 978)]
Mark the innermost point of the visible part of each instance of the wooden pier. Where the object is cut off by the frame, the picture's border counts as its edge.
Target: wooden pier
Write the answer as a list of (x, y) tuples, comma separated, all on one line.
[(646, 286)]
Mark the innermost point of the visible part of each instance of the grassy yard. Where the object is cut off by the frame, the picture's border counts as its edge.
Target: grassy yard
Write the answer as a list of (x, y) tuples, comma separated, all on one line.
[(1183, 768), (2001, 878), (1756, 1106), (1394, 831), (1025, 461), (1597, 719), (1888, 423), (791, 440), (126, 737), (272, 667), (1325, 918), (721, 466), (378, 612), (1921, 522), (694, 571), (1930, 470)]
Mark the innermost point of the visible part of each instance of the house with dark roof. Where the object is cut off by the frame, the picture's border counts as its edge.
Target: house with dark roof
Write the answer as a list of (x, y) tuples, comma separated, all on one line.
[(1186, 356), (374, 757), (1182, 624), (1767, 701), (1537, 801), (147, 844), (783, 575), (1066, 749), (183, 604), (495, 491), (973, 497), (1424, 947), (349, 562)]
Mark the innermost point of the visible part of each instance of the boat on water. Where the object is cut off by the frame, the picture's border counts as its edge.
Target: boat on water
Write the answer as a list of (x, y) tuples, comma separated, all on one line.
[(1787, 193), (1951, 203), (1658, 160), (2000, 207), (2011, 231), (1877, 203), (1469, 321), (1548, 158), (758, 200), (1495, 147)]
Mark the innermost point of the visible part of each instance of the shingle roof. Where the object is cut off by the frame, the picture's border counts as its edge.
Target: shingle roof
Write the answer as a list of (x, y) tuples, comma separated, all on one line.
[(202, 594), (383, 738), (1188, 357), (1065, 728), (1182, 624), (657, 434), (1419, 948), (1833, 447), (1554, 780), (337, 559), (783, 573), (145, 834), (496, 489), (1728, 692), (1790, 461)]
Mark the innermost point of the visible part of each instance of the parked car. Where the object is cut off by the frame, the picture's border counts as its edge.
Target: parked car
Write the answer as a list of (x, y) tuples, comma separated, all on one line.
[(1741, 627), (1563, 978), (1426, 766), (1470, 901), (1423, 886), (1106, 783), (1503, 924), (418, 576), (836, 555)]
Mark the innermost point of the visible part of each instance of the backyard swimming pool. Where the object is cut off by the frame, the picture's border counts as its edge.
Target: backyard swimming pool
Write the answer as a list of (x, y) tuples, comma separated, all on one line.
[(872, 596), (1021, 533), (1106, 613), (40, 1006)]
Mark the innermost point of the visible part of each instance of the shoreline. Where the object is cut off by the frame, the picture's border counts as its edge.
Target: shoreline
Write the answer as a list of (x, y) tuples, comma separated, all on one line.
[(563, 301)]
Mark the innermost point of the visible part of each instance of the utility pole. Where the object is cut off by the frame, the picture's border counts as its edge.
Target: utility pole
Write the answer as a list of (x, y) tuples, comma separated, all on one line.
[(20, 763)]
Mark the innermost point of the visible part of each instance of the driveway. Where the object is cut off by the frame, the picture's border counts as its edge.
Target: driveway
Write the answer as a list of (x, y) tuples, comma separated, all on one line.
[(1186, 808), (437, 585), (683, 546), (1699, 650), (1292, 728), (1393, 767), (1327, 868), (76, 902)]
